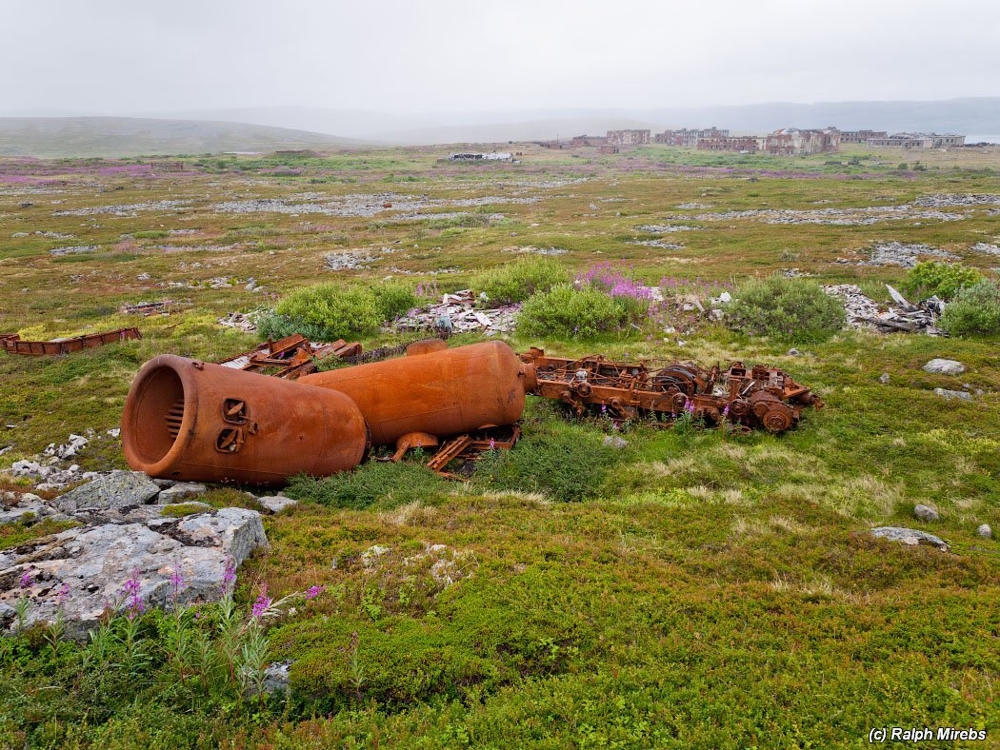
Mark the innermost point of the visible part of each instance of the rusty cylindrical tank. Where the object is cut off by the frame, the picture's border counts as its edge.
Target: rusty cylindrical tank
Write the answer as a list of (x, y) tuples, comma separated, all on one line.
[(435, 391), (188, 420)]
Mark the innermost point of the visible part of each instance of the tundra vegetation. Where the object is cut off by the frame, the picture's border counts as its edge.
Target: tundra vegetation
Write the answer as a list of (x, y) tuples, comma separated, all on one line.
[(694, 588)]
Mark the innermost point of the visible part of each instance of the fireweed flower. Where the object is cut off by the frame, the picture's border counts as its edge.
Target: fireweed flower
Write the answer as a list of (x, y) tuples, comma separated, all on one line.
[(261, 605), (176, 583), (132, 590), (313, 591), (62, 593), (689, 406), (229, 576), (26, 578)]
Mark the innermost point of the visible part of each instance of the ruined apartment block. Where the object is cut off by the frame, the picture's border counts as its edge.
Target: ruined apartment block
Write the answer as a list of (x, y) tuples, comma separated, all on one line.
[(861, 136), (689, 136), (744, 144), (917, 140), (628, 137), (792, 141)]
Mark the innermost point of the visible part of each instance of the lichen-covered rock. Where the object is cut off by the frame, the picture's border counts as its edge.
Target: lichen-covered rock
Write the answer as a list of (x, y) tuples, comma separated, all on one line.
[(984, 531), (180, 491), (944, 367), (82, 571), (945, 393), (926, 513), (276, 503), (912, 537), (115, 490)]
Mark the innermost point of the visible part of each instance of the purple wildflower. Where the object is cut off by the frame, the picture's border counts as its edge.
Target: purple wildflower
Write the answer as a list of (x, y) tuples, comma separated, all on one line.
[(313, 591), (262, 604), (26, 578), (689, 406), (493, 444), (229, 576), (176, 583), (132, 590), (62, 593), (725, 411)]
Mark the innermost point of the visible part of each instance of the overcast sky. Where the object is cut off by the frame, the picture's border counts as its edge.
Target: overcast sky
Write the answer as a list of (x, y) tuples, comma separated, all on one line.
[(410, 56)]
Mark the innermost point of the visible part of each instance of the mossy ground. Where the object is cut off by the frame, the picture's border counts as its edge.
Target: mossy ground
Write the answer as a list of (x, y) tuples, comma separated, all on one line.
[(699, 590)]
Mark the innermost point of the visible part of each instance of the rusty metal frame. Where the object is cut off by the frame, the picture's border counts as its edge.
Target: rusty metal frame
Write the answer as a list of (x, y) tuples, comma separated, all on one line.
[(12, 343), (746, 398), (294, 356)]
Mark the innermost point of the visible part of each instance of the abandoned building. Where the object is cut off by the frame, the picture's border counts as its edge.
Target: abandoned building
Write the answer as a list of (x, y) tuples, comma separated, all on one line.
[(792, 141), (628, 137), (917, 140), (740, 143), (596, 141), (492, 156), (689, 136), (861, 136)]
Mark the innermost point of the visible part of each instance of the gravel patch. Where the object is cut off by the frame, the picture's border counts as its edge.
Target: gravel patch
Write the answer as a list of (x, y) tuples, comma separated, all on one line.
[(903, 255), (957, 199), (129, 209)]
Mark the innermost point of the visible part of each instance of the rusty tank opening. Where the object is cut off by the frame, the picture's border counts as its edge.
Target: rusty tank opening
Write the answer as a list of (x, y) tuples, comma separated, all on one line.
[(158, 413)]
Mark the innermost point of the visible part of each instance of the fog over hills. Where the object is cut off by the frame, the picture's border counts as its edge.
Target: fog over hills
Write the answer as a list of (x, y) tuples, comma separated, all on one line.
[(130, 136), (971, 115), (272, 128)]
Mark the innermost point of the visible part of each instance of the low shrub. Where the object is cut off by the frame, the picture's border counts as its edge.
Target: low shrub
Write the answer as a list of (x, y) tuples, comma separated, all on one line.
[(567, 312), (790, 310), (517, 281), (929, 278), (975, 311), (394, 298), (327, 312), (566, 464), (390, 485)]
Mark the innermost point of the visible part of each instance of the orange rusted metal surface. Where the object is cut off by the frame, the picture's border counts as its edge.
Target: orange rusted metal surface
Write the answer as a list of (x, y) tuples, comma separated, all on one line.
[(290, 357), (470, 447), (441, 392), (188, 420), (761, 397), (12, 344)]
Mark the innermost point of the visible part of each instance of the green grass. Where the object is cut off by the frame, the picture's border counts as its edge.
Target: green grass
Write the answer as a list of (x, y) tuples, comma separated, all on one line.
[(695, 589)]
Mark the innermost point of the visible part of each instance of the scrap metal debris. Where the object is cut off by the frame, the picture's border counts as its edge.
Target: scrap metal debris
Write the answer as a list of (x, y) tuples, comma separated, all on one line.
[(457, 313), (245, 322), (863, 312), (741, 397), (147, 309), (12, 344), (291, 357)]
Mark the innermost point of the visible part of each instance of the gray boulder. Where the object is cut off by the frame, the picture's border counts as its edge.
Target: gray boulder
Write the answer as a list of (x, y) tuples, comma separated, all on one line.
[(276, 677), (945, 393), (926, 513), (985, 531), (82, 571), (276, 503), (180, 491), (116, 490), (912, 537), (944, 367)]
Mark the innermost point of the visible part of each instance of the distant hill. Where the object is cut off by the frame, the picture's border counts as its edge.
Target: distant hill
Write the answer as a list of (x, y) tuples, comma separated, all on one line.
[(129, 136)]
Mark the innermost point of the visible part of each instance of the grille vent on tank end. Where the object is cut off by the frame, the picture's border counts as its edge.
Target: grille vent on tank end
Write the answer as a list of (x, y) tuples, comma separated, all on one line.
[(174, 418)]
